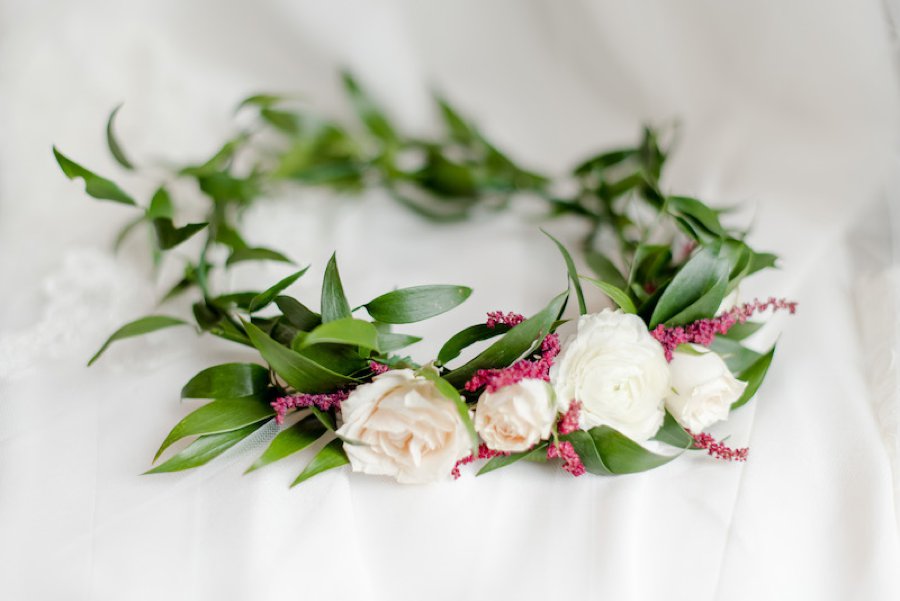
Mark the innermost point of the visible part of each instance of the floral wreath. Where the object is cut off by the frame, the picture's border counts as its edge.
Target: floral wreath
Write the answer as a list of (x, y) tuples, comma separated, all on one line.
[(589, 394)]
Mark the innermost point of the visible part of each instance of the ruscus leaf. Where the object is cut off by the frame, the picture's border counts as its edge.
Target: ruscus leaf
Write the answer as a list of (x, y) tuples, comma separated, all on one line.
[(409, 305), (227, 381), (573, 272), (138, 327), (203, 450), (331, 456), (94, 185), (262, 300), (513, 344), (114, 148), (298, 371), (216, 417), (334, 303), (289, 441)]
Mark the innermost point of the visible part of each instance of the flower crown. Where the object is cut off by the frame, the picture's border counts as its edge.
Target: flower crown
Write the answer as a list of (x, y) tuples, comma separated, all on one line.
[(588, 394)]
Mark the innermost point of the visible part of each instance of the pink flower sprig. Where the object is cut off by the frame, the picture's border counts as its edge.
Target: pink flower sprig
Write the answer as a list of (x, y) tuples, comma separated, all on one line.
[(717, 449), (495, 318), (483, 453), (378, 368), (704, 331), (571, 461), (283, 404), (568, 423), (493, 380)]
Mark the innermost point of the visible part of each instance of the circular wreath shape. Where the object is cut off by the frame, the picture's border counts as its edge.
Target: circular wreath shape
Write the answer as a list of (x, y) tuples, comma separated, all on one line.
[(621, 391)]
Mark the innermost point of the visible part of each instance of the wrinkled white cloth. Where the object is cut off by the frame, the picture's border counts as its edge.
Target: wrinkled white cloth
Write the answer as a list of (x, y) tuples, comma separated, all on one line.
[(789, 108)]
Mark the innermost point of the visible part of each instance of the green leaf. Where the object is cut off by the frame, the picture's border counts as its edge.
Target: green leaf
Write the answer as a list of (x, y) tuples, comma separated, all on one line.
[(323, 417), (348, 331), (334, 303), (620, 297), (256, 254), (456, 125), (740, 331), (389, 341), (368, 111), (604, 450), (573, 273), (94, 185), (290, 441), (605, 269), (168, 236), (695, 292), (504, 460), (648, 260), (409, 305), (114, 148), (698, 212), (297, 314), (446, 178), (298, 371), (285, 121), (160, 205), (465, 338), (219, 416), (227, 381), (204, 449), (605, 160), (513, 344), (737, 357), (331, 456), (673, 434), (138, 327), (240, 300), (753, 376), (263, 100), (760, 261), (263, 299)]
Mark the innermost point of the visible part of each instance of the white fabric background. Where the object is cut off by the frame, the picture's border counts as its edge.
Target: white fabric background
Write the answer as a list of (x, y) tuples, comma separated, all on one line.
[(791, 108)]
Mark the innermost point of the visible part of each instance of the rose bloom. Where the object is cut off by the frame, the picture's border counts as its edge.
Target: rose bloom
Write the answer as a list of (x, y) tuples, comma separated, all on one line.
[(617, 370), (400, 425), (702, 388), (516, 417)]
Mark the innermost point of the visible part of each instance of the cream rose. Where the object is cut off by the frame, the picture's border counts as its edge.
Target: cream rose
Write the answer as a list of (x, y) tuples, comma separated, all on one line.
[(617, 370), (516, 417), (402, 426), (702, 388)]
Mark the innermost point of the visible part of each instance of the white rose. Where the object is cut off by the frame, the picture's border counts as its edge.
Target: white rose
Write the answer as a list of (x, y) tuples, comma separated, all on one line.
[(617, 370), (403, 427), (702, 388), (516, 417)]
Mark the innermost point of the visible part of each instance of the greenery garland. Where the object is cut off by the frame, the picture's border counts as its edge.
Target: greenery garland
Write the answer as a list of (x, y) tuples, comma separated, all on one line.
[(672, 265)]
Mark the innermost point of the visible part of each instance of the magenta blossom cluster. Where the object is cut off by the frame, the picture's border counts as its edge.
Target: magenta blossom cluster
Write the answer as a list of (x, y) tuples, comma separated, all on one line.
[(283, 404), (483, 453), (718, 449), (495, 318), (493, 380), (378, 368), (568, 423), (704, 331), (571, 461)]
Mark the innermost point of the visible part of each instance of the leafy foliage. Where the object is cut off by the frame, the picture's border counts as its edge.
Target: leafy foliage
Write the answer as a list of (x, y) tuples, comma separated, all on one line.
[(673, 261)]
